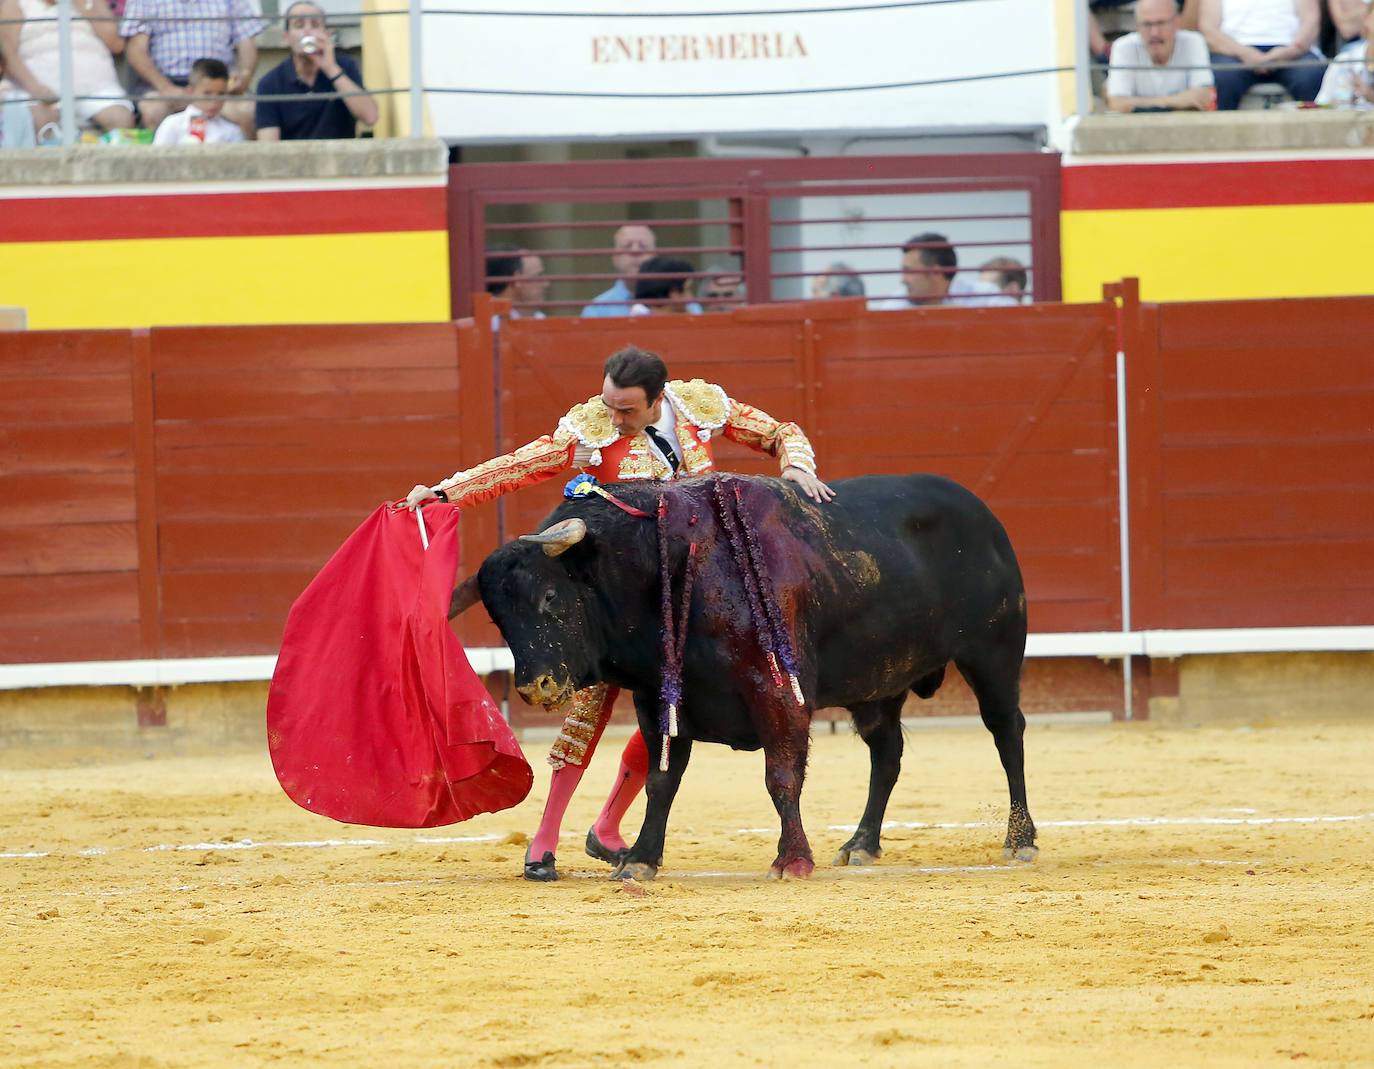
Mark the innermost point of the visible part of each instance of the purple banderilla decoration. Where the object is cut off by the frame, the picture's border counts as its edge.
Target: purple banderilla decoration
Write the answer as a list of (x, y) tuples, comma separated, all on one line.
[(674, 628)]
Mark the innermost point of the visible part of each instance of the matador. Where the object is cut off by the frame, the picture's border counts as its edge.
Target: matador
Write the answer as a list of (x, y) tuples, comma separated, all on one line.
[(642, 426)]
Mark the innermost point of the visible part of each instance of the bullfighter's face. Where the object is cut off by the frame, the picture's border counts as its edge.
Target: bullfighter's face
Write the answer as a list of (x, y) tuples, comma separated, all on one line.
[(629, 407)]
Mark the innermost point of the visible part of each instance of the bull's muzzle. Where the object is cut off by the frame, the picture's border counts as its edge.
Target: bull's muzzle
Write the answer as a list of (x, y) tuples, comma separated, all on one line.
[(546, 691)]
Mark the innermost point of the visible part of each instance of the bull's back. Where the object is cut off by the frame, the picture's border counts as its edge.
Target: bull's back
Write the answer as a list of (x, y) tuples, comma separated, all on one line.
[(911, 570)]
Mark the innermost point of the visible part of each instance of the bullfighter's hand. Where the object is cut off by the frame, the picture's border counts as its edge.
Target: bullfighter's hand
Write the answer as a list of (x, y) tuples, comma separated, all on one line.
[(419, 495), (810, 485)]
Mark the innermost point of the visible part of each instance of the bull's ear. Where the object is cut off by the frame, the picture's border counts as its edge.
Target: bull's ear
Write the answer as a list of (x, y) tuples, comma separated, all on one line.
[(558, 538), (465, 596)]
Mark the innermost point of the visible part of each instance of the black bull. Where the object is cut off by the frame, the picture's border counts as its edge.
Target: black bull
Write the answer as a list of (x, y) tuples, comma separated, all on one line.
[(882, 587)]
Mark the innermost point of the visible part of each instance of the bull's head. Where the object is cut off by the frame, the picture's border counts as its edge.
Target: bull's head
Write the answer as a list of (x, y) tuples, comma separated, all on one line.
[(539, 599)]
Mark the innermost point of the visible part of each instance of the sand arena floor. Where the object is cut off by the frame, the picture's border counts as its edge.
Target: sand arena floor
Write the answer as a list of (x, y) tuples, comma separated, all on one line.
[(1204, 897)]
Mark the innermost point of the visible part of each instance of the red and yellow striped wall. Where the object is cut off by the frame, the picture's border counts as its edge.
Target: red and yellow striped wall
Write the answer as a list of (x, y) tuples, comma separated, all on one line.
[(351, 251), (1216, 229)]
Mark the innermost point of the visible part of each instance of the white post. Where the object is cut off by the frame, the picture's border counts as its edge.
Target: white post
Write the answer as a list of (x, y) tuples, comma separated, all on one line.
[(417, 81), (67, 89), (1124, 512), (1082, 75)]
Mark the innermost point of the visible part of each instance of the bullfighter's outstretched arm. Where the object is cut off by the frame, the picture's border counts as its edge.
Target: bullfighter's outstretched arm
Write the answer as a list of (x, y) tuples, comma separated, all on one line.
[(541, 459)]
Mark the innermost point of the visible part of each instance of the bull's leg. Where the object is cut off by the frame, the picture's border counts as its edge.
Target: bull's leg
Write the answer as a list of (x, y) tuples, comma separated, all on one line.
[(880, 725), (785, 749), (995, 680), (660, 788)]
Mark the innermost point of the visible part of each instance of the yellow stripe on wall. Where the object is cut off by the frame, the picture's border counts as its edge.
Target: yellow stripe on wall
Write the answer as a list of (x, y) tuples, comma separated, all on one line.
[(293, 278), (1231, 253)]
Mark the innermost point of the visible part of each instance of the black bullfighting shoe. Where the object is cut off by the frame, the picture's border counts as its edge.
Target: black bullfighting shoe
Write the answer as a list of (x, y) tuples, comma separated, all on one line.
[(541, 871), (599, 850)]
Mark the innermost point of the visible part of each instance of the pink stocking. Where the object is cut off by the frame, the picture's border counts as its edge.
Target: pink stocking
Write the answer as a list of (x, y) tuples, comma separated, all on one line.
[(634, 767), (596, 711)]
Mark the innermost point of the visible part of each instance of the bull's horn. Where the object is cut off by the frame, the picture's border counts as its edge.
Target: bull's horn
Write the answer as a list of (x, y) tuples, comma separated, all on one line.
[(559, 537), (465, 596)]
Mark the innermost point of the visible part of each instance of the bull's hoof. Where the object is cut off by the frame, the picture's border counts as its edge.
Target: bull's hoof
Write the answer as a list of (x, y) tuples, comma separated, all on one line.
[(541, 871), (599, 850), (1021, 853), (797, 869), (639, 871), (855, 855)]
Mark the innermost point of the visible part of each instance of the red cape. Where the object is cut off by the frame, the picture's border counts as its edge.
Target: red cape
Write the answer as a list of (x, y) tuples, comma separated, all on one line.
[(374, 715)]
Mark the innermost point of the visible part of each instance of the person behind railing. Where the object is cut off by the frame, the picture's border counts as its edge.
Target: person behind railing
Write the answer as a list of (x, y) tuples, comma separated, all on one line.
[(1160, 66), (529, 286), (633, 244), (16, 127), (313, 67), (163, 43), (930, 275), (200, 122), (1008, 274), (1349, 81), (35, 61), (839, 280), (1248, 38), (723, 290), (668, 294)]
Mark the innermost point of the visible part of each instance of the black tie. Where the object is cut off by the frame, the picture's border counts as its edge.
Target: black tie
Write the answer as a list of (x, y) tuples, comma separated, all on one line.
[(663, 446)]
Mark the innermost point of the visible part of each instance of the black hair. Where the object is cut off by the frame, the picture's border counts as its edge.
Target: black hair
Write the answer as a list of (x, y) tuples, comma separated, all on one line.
[(937, 252), (503, 264), (205, 68), (632, 367), (657, 289)]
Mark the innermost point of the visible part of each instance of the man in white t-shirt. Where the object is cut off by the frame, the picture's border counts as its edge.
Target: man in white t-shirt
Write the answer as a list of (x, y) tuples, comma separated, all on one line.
[(1159, 65)]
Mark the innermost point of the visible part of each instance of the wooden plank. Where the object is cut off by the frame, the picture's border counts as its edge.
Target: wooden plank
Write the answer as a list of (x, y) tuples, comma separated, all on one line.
[(1273, 567), (80, 452), (337, 495), (79, 399), (117, 641), (267, 541), (351, 393), (146, 489), (1265, 607), (916, 383), (97, 599), (1284, 416), (1268, 367), (220, 638), (310, 447), (33, 499), (1281, 514), (68, 549), (1261, 468), (934, 431), (356, 345), (56, 354), (239, 594), (1311, 323), (1066, 575), (1049, 616)]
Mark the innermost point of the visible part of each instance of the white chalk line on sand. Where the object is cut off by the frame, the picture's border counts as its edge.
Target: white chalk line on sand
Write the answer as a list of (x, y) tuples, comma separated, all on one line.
[(440, 840)]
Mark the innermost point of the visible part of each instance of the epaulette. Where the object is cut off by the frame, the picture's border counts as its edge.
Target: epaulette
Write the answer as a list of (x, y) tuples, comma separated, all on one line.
[(701, 403), (590, 423)]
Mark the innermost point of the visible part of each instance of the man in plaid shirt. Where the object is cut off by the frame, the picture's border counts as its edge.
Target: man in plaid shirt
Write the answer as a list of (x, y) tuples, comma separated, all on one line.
[(167, 36)]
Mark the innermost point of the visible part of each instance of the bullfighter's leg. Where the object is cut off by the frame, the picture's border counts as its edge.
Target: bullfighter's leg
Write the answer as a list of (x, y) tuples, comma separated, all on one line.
[(604, 841), (660, 788), (785, 730), (569, 756), (880, 725), (995, 680)]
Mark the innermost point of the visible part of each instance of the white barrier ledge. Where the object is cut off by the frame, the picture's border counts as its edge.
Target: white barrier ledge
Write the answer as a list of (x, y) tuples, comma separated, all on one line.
[(484, 660)]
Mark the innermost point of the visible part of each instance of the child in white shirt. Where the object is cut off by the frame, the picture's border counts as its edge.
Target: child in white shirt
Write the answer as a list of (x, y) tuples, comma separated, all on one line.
[(201, 121)]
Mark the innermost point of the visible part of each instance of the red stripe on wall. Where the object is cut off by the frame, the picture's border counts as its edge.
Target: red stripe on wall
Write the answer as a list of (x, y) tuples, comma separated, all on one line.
[(194, 215), (1098, 187)]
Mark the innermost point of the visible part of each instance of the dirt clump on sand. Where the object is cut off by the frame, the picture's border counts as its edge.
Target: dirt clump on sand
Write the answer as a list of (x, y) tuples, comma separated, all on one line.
[(1202, 897)]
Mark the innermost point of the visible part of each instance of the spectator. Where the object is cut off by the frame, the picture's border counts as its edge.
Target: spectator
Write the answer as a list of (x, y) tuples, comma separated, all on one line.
[(1348, 23), (200, 122), (633, 245), (16, 125), (30, 43), (1348, 79), (1159, 66), (1249, 37), (530, 285), (930, 273), (502, 265), (664, 281), (839, 280), (1007, 274), (724, 287), (161, 52), (313, 67)]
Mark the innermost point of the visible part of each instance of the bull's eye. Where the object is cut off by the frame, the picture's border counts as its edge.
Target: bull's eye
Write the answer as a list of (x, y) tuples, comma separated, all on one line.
[(546, 602)]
